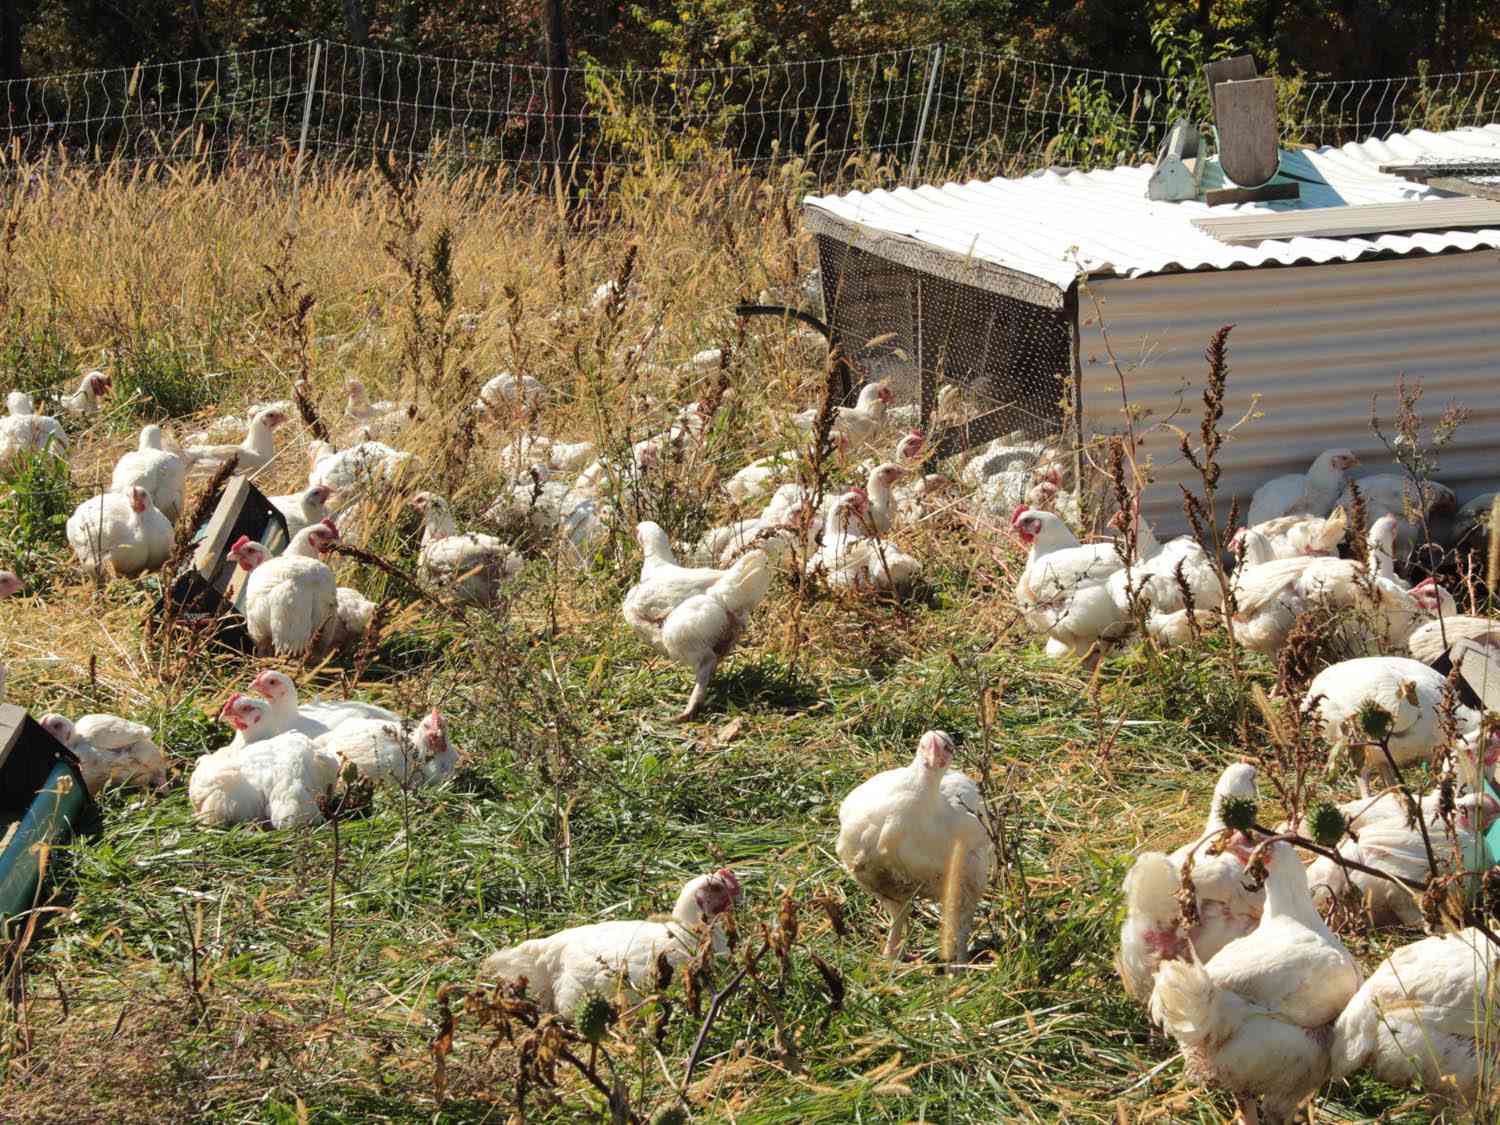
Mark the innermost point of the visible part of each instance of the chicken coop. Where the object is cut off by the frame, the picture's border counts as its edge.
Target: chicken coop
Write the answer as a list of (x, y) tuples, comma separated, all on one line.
[(1045, 297)]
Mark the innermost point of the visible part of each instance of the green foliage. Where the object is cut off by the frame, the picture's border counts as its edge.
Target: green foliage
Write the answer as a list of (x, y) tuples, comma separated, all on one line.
[(161, 381), (34, 512), (35, 357)]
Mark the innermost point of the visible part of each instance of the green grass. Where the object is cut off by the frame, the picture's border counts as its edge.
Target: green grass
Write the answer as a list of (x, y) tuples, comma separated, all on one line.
[(189, 973)]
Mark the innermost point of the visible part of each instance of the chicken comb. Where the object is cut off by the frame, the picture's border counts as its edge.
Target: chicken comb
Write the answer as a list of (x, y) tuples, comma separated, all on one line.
[(329, 524), (239, 543), (731, 878), (229, 703), (1017, 513)]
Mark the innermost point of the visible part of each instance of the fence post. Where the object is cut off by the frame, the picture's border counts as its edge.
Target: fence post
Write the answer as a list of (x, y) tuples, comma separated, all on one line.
[(933, 66), (312, 82)]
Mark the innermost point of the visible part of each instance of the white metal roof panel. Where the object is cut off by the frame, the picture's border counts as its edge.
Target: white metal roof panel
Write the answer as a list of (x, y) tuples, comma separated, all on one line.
[(1052, 225)]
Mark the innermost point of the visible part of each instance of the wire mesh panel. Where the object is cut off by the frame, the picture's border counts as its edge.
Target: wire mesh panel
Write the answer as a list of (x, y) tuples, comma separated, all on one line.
[(966, 364), (917, 113), (202, 109)]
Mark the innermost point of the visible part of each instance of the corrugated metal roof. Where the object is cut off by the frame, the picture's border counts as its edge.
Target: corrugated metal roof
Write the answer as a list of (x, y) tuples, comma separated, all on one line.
[(1050, 225)]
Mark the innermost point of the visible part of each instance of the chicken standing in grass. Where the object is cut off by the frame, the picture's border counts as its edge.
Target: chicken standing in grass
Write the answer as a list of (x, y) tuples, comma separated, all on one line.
[(703, 630), (160, 473), (123, 529), (915, 832), (1227, 909), (663, 585), (562, 969), (1255, 1021), (110, 750), (288, 599)]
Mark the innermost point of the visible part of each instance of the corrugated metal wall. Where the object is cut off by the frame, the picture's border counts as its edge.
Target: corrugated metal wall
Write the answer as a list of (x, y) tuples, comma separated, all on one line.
[(1315, 342)]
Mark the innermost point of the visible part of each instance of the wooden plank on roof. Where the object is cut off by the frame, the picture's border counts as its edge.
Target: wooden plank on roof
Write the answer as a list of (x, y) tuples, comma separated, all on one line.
[(1346, 222)]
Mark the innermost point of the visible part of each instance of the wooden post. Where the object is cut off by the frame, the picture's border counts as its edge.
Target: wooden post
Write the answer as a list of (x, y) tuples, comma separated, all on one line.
[(556, 60)]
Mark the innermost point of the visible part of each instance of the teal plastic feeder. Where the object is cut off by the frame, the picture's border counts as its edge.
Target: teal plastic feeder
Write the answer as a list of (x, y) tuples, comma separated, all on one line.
[(43, 802)]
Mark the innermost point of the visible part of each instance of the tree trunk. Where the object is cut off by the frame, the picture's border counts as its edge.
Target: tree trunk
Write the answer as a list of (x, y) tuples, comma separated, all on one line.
[(356, 23), (556, 60), (10, 40)]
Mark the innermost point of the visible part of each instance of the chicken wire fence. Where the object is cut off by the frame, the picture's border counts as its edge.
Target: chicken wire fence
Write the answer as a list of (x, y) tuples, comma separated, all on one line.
[(974, 369), (923, 113)]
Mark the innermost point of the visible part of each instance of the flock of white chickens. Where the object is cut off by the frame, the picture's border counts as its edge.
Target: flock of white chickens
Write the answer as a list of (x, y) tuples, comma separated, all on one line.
[(1263, 998)]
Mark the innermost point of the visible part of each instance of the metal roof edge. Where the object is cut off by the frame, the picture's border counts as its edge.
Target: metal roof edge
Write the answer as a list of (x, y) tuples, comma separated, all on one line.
[(904, 250)]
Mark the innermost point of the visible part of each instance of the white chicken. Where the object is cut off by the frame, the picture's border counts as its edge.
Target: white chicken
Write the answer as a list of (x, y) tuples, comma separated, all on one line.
[(1301, 534), (123, 529), (562, 969), (859, 423), (1389, 845), (313, 719), (852, 559), (1434, 639), (1311, 493), (915, 832), (289, 599), (351, 471), (110, 750), (879, 489), (349, 625), (1271, 596), (1227, 908), (761, 476), (1253, 1022), (226, 427), (160, 473), (1426, 1015), (277, 779), (663, 585), (251, 455), (503, 393), (19, 403), (1407, 690), (702, 630), (385, 417), (85, 400), (1395, 494), (386, 752), (472, 566), (30, 433), (1063, 590), (557, 456), (305, 508)]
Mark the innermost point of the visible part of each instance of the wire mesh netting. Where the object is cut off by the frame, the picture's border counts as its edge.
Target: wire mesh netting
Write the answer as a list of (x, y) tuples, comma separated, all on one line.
[(914, 113), (980, 373)]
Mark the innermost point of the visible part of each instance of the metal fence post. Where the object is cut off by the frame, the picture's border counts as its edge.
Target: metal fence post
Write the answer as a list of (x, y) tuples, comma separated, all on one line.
[(312, 83), (933, 66)]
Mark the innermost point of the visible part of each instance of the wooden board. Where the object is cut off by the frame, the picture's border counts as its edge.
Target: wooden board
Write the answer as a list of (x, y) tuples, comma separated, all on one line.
[(1479, 668), (1465, 187), (1263, 194), (1249, 148), (1346, 222)]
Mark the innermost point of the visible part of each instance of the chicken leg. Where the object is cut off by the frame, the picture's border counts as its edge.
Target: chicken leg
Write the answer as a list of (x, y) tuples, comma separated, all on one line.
[(703, 673), (1247, 1113), (900, 914)]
